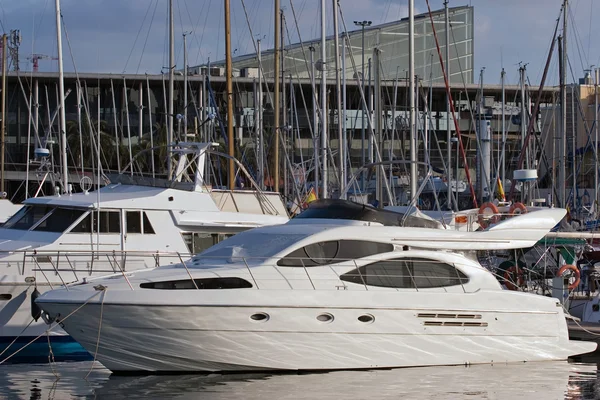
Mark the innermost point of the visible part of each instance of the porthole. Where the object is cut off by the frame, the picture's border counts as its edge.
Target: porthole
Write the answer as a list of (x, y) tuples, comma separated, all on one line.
[(5, 296), (366, 318), (260, 317), (325, 317)]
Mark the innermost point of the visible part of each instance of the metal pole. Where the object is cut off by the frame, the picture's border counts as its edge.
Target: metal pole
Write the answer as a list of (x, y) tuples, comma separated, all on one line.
[(448, 131), (79, 106), (259, 123), (411, 100), (377, 124), (324, 141), (363, 24), (338, 86), (150, 126), (284, 131), (573, 145), (503, 156), (140, 110), (171, 88), (61, 89), (3, 129), (343, 148), (596, 139), (370, 111), (563, 153), (276, 104), (185, 87), (229, 79), (315, 121)]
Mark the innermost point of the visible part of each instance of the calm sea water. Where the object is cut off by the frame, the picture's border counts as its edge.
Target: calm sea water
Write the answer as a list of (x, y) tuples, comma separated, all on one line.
[(554, 380)]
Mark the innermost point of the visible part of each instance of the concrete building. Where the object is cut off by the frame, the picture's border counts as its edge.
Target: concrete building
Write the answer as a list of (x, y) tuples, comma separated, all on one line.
[(130, 107)]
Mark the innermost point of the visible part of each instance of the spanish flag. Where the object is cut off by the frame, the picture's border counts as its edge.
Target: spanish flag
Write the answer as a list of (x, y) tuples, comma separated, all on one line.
[(310, 197)]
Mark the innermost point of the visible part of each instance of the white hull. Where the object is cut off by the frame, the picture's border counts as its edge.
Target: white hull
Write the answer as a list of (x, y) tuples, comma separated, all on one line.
[(161, 338)]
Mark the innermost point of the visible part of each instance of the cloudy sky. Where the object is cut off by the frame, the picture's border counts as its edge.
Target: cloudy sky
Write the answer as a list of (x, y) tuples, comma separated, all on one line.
[(131, 35)]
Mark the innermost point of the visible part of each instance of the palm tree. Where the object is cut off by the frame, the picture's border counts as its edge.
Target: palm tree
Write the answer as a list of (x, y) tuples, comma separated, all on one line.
[(86, 141)]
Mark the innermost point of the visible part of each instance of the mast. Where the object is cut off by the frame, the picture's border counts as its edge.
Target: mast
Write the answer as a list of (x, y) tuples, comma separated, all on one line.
[(61, 89), (185, 86), (448, 132), (411, 101), (502, 156), (338, 86), (284, 124), (229, 81), (596, 136), (343, 172), (171, 87), (324, 100), (276, 98), (315, 122), (259, 123), (562, 177), (3, 128)]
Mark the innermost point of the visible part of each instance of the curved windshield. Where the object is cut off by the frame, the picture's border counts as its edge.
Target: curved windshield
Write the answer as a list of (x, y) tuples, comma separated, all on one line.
[(27, 217), (250, 245)]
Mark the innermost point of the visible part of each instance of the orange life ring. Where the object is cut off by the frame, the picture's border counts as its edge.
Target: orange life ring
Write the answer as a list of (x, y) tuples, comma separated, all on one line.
[(517, 208), (509, 282), (482, 214), (575, 270)]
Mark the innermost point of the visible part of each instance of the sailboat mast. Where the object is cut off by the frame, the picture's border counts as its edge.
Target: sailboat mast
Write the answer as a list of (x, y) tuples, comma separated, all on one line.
[(502, 156), (185, 86), (3, 129), (448, 132), (259, 122), (61, 97), (562, 177), (411, 101), (324, 140), (276, 104), (338, 85), (229, 82), (171, 86)]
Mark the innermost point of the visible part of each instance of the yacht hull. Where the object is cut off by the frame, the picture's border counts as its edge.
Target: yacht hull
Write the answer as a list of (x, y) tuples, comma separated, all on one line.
[(146, 338)]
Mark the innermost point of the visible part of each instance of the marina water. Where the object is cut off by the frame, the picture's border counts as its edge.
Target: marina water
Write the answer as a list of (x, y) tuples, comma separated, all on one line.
[(545, 380)]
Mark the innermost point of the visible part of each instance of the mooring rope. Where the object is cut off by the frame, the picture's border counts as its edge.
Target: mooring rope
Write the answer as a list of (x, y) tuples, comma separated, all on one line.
[(52, 327), (99, 329)]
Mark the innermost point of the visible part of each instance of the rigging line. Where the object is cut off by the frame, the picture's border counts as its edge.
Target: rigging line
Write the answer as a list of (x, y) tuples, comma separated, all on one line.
[(308, 116), (590, 27), (147, 36), (578, 42), (195, 27), (589, 136), (137, 37)]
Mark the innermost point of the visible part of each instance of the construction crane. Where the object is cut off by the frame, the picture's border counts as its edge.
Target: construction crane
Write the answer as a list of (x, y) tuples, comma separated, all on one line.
[(35, 58)]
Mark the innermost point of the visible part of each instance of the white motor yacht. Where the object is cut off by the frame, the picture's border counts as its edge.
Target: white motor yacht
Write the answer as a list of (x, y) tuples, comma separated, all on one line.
[(132, 223), (341, 286)]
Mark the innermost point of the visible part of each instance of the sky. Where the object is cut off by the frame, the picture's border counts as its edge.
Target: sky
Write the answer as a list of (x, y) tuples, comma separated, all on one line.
[(131, 36)]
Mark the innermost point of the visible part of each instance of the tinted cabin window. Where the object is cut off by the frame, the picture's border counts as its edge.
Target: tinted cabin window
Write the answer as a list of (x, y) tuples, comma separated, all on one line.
[(406, 274), (333, 251), (206, 283), (148, 229), (59, 220), (84, 226), (134, 222), (110, 221), (27, 217)]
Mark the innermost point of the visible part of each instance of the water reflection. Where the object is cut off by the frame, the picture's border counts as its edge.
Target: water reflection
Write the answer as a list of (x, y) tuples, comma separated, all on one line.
[(558, 380)]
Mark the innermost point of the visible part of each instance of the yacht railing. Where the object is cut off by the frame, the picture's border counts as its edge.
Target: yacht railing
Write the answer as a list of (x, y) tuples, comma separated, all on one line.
[(474, 220), (310, 273), (65, 267)]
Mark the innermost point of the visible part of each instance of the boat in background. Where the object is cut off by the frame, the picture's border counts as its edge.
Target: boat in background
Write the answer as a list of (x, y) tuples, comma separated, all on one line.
[(134, 222), (341, 286)]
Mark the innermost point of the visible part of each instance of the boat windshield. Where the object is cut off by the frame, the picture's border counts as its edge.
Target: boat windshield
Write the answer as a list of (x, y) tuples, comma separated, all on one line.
[(53, 219), (249, 245)]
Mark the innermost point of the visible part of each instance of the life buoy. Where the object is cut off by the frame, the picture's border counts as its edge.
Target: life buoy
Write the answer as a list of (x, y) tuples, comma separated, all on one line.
[(517, 208), (513, 284), (576, 272), (482, 214)]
